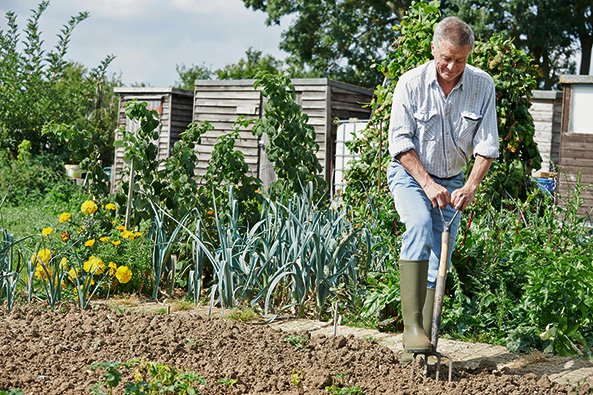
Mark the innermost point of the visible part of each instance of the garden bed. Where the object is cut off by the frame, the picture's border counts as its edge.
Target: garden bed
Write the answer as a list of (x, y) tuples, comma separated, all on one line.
[(51, 352)]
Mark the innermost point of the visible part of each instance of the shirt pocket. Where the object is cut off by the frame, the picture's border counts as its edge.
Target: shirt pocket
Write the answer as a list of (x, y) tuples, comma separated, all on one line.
[(467, 127), (427, 125)]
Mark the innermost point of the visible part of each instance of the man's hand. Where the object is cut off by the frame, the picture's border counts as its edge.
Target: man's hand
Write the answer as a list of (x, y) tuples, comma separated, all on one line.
[(438, 195), (462, 197)]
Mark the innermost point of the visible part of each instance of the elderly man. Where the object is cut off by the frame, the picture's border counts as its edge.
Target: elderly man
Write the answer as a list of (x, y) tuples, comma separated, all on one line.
[(444, 112)]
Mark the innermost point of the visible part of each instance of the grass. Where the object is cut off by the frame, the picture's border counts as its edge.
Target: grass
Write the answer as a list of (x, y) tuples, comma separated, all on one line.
[(244, 314)]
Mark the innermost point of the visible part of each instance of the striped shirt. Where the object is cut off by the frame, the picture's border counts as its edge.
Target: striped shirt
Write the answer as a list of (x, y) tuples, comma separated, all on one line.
[(444, 131)]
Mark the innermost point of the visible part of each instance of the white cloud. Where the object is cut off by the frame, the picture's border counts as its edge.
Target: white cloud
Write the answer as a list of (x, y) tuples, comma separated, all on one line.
[(149, 37)]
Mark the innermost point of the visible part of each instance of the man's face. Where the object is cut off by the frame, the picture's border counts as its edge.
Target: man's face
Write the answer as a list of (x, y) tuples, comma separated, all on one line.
[(450, 60)]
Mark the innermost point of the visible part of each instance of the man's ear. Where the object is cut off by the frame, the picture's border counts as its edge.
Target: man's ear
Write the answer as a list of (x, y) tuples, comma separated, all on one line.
[(432, 48)]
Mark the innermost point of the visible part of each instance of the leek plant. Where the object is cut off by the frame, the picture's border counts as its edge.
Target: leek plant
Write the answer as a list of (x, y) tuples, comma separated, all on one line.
[(8, 274)]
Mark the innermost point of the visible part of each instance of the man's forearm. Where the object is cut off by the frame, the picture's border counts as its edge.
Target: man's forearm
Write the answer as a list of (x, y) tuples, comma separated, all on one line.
[(481, 166), (410, 161)]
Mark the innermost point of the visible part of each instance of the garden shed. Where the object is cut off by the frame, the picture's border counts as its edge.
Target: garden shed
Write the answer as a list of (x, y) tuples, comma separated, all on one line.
[(576, 141), (175, 109), (325, 101)]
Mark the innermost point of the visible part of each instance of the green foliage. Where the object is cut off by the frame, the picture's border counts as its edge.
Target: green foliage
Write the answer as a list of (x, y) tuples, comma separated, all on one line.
[(523, 276), (86, 152), (33, 178), (40, 86), (337, 40), (515, 78), (254, 63), (227, 169), (292, 147), (545, 29), (299, 341), (149, 378), (189, 75)]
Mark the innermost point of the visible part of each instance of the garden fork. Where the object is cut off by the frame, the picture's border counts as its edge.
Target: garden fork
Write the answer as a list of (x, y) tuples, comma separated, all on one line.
[(439, 294)]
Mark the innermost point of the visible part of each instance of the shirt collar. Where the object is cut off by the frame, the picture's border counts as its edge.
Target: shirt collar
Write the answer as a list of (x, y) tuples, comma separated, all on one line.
[(431, 73)]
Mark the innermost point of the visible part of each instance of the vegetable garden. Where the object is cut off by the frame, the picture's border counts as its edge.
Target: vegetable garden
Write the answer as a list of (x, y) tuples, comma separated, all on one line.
[(522, 273)]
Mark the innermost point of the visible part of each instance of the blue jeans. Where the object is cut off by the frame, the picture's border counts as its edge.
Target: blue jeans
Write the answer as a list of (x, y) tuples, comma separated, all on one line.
[(422, 238)]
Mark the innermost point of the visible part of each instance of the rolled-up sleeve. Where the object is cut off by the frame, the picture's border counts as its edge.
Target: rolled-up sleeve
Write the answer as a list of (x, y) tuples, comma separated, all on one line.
[(486, 138), (402, 125)]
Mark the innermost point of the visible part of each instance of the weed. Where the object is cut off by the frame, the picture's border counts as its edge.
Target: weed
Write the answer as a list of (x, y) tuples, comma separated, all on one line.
[(334, 390), (244, 314), (12, 391), (297, 379), (149, 378), (297, 341), (229, 384)]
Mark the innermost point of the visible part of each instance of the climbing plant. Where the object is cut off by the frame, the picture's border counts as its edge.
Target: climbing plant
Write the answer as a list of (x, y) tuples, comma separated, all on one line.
[(514, 76)]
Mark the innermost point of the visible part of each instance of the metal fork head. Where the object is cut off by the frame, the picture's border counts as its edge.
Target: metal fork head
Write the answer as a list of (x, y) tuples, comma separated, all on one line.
[(439, 356)]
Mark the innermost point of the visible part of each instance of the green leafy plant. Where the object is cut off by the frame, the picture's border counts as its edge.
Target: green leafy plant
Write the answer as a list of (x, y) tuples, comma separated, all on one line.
[(292, 148), (149, 378), (338, 388), (228, 383), (297, 379), (298, 341), (42, 86), (522, 276)]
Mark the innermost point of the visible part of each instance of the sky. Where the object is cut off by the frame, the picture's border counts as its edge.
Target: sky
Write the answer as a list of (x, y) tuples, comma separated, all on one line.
[(150, 37)]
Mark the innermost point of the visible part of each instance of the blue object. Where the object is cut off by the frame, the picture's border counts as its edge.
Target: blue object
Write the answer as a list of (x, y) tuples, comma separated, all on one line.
[(548, 185)]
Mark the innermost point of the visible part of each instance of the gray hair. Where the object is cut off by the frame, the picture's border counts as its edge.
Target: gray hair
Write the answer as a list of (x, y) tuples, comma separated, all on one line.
[(454, 31)]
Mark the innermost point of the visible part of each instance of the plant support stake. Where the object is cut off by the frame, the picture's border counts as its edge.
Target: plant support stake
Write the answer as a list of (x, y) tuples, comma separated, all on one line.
[(130, 191)]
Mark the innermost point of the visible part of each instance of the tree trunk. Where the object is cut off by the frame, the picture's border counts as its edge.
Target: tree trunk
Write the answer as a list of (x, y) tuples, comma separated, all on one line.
[(586, 45)]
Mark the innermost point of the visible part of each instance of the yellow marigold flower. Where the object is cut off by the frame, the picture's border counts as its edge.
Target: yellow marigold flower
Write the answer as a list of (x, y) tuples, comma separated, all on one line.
[(210, 212), (47, 231), (44, 256), (64, 217), (90, 243), (137, 234), (42, 273), (80, 289), (94, 265), (110, 206), (73, 274), (112, 268), (120, 227), (123, 274), (89, 207), (126, 234), (116, 242), (64, 263), (104, 239)]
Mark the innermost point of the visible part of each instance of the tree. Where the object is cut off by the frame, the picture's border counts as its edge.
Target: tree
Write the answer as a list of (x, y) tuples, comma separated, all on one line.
[(338, 39), (582, 17), (37, 87), (189, 75), (547, 30), (247, 68)]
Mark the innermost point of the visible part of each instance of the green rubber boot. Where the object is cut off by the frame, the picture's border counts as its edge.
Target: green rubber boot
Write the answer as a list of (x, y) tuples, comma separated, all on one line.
[(412, 283), (426, 323)]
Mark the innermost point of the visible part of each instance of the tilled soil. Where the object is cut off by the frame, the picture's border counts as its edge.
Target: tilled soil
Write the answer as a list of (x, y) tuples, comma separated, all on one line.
[(51, 352)]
